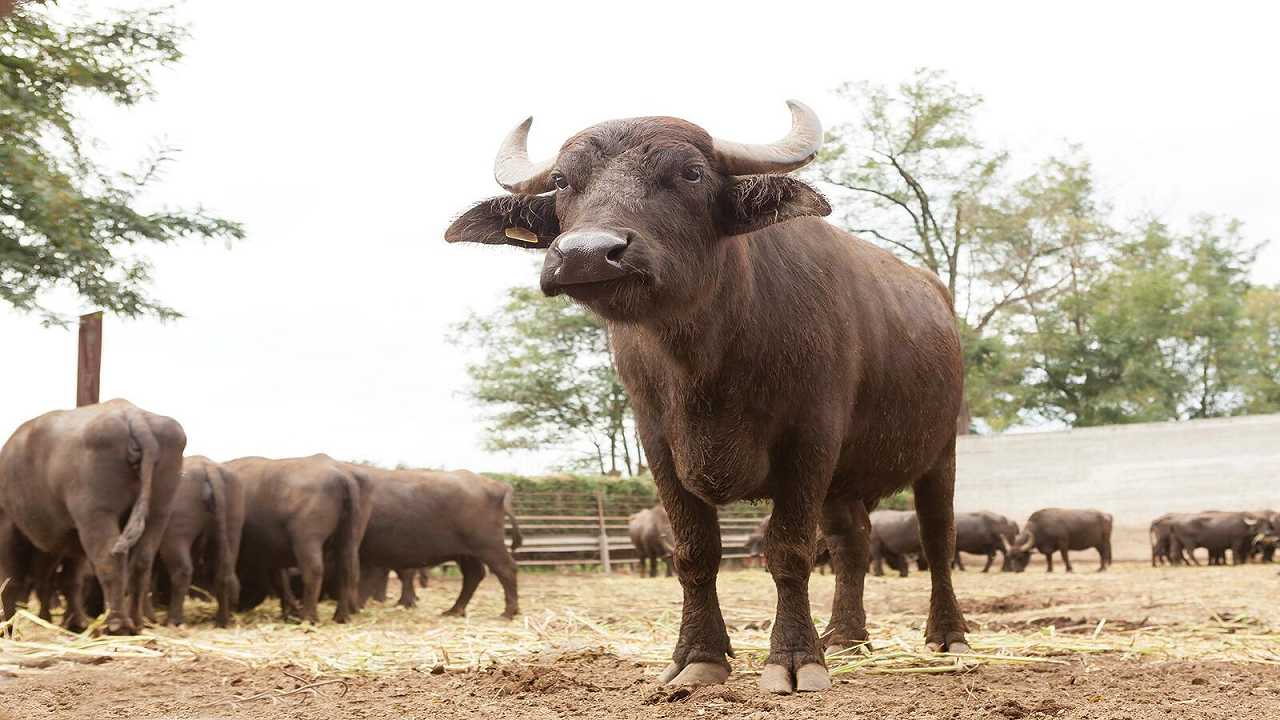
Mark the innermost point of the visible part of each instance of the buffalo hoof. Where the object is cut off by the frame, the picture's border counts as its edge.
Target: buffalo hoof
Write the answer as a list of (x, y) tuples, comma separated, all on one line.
[(454, 612), (811, 677), (955, 647), (855, 648), (120, 626), (698, 673)]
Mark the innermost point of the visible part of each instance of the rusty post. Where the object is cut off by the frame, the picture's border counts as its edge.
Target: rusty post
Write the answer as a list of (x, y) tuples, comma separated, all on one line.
[(605, 566), (89, 367)]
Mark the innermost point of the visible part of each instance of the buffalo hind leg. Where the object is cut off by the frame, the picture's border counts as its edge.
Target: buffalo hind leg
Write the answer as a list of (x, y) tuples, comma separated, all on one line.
[(1066, 560), (311, 562), (848, 534), (177, 560), (934, 493), (16, 555), (472, 573), (991, 559), (98, 533), (503, 567)]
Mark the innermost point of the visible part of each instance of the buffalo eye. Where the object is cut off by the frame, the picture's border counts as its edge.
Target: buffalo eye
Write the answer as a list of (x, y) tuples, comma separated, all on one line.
[(692, 174), (560, 181)]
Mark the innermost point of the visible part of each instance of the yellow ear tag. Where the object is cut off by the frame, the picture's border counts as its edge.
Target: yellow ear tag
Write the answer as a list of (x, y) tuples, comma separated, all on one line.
[(516, 233)]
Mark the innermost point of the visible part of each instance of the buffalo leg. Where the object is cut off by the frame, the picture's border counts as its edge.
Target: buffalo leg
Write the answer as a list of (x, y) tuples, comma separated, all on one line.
[(98, 533), (667, 561), (958, 563), (653, 566), (373, 584), (44, 567), (472, 573), (15, 566), (795, 660), (283, 587), (408, 598), (847, 531), (1104, 555), (1048, 561), (311, 563), (1066, 560), (700, 654), (503, 567), (71, 581), (945, 629), (177, 560), (991, 559)]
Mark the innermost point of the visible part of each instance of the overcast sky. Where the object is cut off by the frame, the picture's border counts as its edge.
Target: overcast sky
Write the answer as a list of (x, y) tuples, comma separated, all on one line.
[(346, 141)]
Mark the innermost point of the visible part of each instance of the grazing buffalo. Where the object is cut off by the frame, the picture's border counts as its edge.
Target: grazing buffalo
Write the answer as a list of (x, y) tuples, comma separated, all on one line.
[(1218, 532), (202, 540), (1267, 544), (651, 534), (297, 511), (984, 533), (767, 354), (422, 518), (895, 537), (67, 480), (1058, 530)]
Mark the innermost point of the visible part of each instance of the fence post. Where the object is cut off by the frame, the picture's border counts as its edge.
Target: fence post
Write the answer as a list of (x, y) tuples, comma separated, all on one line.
[(89, 359), (604, 534)]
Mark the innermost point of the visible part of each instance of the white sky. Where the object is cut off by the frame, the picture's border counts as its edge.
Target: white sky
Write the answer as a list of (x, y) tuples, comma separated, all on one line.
[(346, 141)]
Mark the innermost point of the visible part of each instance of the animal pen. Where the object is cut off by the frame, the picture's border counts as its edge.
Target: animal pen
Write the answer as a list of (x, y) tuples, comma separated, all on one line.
[(589, 529)]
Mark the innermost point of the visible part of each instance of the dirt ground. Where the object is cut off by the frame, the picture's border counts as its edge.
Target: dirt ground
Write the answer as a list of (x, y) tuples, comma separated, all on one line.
[(1132, 643)]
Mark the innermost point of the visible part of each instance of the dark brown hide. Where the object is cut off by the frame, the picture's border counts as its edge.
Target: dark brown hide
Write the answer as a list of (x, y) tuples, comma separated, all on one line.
[(984, 533), (767, 354), (422, 518), (297, 512), (69, 481), (1060, 530), (1219, 532), (202, 541)]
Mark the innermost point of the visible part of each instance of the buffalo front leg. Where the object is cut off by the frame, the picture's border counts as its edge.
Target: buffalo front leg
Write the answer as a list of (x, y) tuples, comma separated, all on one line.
[(700, 655), (408, 598), (945, 629), (1066, 560), (847, 529)]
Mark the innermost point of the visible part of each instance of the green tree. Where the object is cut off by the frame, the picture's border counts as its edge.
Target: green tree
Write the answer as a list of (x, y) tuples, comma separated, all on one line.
[(1260, 350), (913, 175), (547, 378), (65, 220)]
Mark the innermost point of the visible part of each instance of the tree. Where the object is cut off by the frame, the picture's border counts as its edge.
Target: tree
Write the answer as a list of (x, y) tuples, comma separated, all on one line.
[(913, 176), (65, 220), (547, 376), (1260, 349), (1162, 333)]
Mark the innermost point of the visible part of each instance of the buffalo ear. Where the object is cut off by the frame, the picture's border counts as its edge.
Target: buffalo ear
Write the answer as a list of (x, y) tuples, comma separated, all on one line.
[(527, 221), (751, 202)]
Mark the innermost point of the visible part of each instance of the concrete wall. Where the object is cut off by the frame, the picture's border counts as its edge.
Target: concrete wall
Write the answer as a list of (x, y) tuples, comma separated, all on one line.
[(1134, 472)]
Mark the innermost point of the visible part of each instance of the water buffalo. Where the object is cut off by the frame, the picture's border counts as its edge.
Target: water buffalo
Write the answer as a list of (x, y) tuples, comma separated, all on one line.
[(895, 537), (767, 354), (298, 510), (1059, 530), (1219, 532), (984, 533), (67, 479), (422, 518), (204, 535), (651, 535), (1161, 537), (1268, 543)]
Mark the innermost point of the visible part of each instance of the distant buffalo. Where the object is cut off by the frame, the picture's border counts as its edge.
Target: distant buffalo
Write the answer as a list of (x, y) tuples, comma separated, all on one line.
[(895, 537), (984, 533), (1217, 532), (1060, 530), (651, 534)]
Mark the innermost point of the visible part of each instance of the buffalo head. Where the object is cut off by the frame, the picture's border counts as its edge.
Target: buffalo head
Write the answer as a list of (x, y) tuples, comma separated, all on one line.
[(633, 212)]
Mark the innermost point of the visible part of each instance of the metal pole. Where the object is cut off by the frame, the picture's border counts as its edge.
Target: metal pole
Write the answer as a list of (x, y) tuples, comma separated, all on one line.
[(604, 535), (89, 367)]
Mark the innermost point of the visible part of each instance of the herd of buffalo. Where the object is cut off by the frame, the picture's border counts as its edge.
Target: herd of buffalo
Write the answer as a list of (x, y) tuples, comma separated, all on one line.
[(767, 355), (296, 528)]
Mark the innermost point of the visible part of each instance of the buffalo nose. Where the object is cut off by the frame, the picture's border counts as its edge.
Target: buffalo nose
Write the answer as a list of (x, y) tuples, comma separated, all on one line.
[(582, 257)]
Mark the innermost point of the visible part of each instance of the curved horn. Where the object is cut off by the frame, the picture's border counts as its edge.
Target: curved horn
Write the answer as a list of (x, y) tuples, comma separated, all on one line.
[(1028, 544), (512, 168), (790, 153)]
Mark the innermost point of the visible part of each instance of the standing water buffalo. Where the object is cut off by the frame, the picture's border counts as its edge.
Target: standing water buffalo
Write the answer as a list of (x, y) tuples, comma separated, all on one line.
[(1057, 530), (204, 534), (297, 511), (1161, 536), (422, 518), (767, 354), (984, 533), (67, 479), (651, 534), (1219, 532)]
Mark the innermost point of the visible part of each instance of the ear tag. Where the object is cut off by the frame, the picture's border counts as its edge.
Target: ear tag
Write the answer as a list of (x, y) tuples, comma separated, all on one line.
[(518, 233)]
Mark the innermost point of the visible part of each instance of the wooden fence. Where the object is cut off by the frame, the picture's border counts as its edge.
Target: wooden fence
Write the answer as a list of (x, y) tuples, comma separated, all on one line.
[(590, 529)]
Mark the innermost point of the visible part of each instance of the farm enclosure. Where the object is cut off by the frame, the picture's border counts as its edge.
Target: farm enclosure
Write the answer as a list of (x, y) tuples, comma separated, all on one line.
[(1088, 645)]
